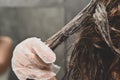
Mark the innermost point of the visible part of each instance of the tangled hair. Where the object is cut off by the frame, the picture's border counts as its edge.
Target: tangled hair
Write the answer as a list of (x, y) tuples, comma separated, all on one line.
[(96, 55)]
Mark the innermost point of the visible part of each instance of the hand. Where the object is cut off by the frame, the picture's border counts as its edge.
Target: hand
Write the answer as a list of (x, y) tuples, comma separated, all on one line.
[(32, 59), (6, 44)]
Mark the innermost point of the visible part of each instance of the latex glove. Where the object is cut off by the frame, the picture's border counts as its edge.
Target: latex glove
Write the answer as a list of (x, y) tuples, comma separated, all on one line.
[(32, 59)]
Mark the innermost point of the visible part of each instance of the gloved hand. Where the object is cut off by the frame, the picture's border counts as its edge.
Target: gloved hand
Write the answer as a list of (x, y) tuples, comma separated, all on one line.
[(32, 59)]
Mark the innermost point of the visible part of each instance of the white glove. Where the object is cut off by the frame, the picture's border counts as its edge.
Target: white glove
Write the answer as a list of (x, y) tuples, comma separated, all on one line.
[(32, 59)]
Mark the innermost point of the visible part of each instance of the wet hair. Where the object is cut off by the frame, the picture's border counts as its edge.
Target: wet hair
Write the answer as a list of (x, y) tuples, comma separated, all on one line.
[(96, 54)]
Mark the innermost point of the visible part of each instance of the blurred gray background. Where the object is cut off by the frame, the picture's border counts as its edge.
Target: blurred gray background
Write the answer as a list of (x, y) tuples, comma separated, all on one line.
[(20, 19)]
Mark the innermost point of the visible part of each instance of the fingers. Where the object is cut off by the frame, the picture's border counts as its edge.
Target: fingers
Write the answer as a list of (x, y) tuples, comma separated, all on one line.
[(32, 59)]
